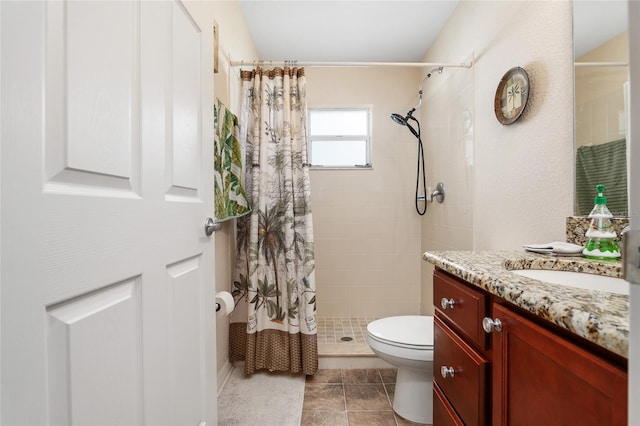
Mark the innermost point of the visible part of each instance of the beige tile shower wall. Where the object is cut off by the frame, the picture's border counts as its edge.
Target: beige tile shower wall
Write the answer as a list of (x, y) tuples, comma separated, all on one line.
[(521, 177), (366, 230)]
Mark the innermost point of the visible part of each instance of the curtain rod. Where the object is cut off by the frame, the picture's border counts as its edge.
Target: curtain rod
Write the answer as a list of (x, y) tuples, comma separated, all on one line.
[(356, 64), (600, 64)]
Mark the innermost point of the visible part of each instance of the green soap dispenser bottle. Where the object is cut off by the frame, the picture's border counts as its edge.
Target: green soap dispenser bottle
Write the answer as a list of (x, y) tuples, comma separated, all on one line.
[(601, 242)]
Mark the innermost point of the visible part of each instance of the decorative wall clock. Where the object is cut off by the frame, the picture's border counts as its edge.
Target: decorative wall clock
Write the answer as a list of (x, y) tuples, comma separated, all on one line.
[(511, 96)]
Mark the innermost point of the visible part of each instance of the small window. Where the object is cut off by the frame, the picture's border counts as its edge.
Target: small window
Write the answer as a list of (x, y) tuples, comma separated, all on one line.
[(339, 137)]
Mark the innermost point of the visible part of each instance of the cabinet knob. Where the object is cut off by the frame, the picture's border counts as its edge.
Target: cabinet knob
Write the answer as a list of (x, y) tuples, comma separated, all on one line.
[(447, 372), (489, 324), (447, 303)]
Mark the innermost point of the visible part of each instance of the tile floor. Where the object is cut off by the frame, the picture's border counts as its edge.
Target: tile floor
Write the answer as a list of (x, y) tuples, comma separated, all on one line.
[(340, 329), (341, 397)]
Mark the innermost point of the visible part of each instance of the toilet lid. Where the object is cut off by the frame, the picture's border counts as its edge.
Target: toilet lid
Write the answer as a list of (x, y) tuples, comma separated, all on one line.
[(413, 330)]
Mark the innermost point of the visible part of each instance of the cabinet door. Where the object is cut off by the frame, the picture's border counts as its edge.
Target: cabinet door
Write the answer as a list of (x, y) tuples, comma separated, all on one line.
[(541, 379)]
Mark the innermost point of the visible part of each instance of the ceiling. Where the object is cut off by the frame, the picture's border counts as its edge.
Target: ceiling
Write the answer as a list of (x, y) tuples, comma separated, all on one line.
[(386, 31), (345, 31), (596, 22)]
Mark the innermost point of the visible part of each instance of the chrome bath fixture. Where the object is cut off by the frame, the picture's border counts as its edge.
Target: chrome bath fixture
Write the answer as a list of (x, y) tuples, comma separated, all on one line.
[(438, 193), (404, 121)]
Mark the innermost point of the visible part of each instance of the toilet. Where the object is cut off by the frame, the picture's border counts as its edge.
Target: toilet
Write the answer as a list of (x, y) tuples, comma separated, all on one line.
[(406, 342)]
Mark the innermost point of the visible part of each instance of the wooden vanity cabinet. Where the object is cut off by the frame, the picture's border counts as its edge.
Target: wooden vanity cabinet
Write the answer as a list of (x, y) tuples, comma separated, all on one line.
[(528, 373), (540, 378)]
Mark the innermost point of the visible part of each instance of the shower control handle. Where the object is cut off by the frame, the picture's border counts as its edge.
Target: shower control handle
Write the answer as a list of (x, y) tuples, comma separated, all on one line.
[(438, 194), (447, 303), (490, 325), (447, 372)]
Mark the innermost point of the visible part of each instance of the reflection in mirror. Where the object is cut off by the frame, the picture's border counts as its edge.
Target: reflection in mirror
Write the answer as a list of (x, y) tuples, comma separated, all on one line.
[(601, 103)]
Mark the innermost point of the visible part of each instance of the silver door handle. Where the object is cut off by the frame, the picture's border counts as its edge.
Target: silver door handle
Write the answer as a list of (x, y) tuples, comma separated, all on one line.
[(210, 226)]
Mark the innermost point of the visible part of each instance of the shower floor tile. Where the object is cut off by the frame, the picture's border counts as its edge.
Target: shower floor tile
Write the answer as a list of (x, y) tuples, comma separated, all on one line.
[(342, 330)]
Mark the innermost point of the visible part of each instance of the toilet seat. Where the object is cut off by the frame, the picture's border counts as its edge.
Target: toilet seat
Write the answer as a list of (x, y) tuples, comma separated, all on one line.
[(408, 331)]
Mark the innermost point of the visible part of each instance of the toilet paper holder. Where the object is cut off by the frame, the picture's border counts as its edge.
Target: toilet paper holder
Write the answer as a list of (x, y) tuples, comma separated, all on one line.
[(224, 302)]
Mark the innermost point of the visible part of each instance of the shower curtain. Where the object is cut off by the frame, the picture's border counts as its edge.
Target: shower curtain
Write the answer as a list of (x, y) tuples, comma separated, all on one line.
[(274, 324)]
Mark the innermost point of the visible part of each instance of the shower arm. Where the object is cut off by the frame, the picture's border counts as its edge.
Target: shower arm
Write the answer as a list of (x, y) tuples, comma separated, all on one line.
[(439, 70)]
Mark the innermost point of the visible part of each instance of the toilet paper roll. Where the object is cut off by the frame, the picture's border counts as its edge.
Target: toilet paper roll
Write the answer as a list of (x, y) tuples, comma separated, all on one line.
[(225, 300)]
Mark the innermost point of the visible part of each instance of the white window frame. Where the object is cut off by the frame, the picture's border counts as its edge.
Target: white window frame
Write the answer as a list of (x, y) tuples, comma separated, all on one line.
[(367, 137)]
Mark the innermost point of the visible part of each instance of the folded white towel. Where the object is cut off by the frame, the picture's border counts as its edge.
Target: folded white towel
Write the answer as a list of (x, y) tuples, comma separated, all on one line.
[(556, 247)]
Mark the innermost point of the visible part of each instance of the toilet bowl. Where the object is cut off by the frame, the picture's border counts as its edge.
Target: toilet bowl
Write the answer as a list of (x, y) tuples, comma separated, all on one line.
[(406, 342)]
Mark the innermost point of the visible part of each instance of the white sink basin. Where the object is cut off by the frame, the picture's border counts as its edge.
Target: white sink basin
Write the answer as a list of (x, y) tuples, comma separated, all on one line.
[(577, 279)]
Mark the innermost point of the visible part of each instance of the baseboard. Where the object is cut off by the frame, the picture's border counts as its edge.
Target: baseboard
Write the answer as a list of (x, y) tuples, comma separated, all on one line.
[(223, 375)]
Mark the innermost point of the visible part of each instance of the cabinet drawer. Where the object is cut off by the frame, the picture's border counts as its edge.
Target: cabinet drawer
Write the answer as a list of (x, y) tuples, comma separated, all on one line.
[(443, 412), (468, 309), (467, 389)]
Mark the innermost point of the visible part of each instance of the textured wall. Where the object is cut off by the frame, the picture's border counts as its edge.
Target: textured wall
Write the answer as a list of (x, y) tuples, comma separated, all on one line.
[(234, 39), (521, 177)]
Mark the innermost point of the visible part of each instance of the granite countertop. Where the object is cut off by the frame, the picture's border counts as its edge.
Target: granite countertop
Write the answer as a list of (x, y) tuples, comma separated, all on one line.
[(604, 321)]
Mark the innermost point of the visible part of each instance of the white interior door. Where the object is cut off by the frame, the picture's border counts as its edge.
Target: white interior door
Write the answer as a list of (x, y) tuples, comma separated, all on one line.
[(107, 298)]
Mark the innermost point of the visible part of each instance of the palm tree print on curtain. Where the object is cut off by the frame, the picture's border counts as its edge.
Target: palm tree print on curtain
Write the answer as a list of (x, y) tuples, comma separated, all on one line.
[(274, 324)]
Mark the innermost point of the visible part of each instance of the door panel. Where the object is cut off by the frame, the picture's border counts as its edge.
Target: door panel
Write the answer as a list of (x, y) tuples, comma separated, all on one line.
[(92, 86), (184, 278), (94, 357), (108, 307), (101, 81), (184, 158)]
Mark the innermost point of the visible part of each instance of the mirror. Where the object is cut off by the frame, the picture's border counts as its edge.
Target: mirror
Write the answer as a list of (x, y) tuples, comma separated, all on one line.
[(601, 95)]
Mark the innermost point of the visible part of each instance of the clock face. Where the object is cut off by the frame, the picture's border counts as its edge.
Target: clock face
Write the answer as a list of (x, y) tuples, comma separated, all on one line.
[(512, 95)]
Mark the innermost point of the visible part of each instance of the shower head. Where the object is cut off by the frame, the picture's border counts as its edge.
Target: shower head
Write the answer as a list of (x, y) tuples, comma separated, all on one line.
[(399, 119), (404, 121)]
